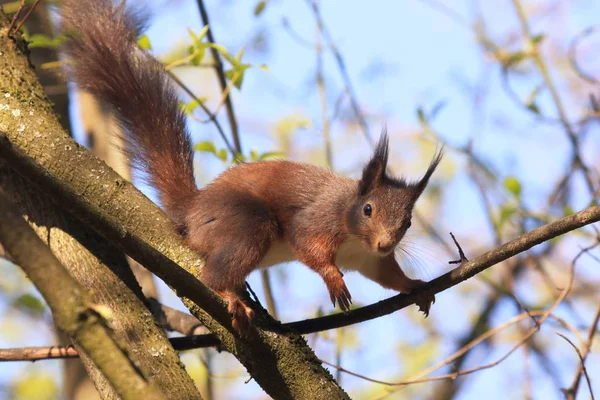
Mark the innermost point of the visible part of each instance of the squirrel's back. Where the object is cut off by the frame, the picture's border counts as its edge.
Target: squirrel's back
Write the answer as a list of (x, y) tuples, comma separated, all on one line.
[(107, 62), (287, 187)]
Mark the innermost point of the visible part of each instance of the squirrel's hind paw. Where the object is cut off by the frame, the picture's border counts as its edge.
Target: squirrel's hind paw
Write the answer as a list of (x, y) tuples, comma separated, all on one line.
[(241, 314)]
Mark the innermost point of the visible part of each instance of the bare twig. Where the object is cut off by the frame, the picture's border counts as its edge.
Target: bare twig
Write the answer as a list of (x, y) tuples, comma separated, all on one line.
[(572, 390), (461, 254), (212, 117), (175, 320), (571, 394), (221, 76), (322, 92), (549, 83), (27, 15), (343, 71), (573, 53), (15, 18)]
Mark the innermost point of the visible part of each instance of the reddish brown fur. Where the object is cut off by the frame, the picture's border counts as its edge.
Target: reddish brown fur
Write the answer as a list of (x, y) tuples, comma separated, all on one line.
[(235, 220)]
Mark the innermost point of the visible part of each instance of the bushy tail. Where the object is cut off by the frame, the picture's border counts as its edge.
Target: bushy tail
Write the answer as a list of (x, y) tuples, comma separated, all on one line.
[(106, 62)]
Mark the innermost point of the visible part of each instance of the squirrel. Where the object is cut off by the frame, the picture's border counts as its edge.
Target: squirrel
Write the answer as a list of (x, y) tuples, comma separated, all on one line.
[(254, 215)]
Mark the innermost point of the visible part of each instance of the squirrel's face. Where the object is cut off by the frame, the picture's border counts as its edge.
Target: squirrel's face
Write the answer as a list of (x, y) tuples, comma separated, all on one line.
[(381, 218), (382, 210)]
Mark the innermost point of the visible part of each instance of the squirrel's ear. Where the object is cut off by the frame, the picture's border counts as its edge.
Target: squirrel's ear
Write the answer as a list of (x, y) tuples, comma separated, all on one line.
[(422, 184), (374, 172)]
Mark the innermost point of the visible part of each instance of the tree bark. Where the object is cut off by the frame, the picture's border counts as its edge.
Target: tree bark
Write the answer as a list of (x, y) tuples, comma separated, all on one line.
[(95, 263), (73, 308), (280, 361)]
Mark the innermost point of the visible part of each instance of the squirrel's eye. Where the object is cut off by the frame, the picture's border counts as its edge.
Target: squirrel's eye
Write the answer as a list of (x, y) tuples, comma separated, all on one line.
[(367, 209), (408, 225)]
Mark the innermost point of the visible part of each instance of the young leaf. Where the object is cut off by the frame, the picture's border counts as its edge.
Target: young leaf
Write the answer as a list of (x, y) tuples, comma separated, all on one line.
[(188, 108), (271, 154), (30, 304), (239, 157), (530, 102), (260, 7), (239, 55), (513, 185), (206, 146), (144, 42), (222, 154)]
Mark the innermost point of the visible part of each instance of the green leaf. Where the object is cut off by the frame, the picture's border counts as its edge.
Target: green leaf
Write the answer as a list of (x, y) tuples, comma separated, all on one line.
[(568, 211), (239, 55), (207, 147), (513, 185), (253, 155), (222, 154), (144, 42), (260, 7), (30, 304), (537, 39), (239, 157), (238, 74), (271, 155), (530, 101), (202, 33), (515, 58), (188, 108), (421, 116), (38, 385), (39, 40), (198, 47)]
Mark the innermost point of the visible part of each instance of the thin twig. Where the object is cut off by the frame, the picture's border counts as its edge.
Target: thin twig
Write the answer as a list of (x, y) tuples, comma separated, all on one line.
[(549, 83), (587, 347), (343, 71), (461, 254), (27, 15), (573, 54), (221, 77), (15, 17), (568, 393), (322, 92), (212, 117)]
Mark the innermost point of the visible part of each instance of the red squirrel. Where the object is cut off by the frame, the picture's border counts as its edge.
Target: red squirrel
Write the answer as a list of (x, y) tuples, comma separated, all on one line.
[(254, 215)]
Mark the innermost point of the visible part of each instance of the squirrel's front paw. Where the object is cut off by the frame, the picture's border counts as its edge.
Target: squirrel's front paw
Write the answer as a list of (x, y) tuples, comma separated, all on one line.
[(338, 292), (424, 301)]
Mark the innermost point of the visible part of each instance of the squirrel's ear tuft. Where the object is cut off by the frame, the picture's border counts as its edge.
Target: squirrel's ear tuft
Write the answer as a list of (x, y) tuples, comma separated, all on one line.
[(422, 184), (374, 172)]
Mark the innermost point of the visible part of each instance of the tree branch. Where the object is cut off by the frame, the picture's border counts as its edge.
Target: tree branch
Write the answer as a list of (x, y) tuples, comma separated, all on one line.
[(452, 278), (74, 311)]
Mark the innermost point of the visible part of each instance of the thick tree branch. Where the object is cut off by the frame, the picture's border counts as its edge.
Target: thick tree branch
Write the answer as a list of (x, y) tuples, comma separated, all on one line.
[(74, 311)]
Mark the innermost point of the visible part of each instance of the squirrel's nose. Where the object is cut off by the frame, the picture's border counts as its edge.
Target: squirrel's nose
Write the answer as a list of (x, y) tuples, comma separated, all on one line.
[(385, 246)]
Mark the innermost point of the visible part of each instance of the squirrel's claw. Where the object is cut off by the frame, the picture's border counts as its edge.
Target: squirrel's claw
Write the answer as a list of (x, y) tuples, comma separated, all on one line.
[(424, 303), (241, 314), (338, 292)]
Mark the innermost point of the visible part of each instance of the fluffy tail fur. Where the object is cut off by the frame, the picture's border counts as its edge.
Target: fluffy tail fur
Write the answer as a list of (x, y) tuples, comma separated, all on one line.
[(106, 62)]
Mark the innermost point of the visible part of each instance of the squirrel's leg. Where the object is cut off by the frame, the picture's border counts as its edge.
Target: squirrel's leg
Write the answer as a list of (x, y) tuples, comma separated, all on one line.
[(237, 237), (322, 263), (389, 275)]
